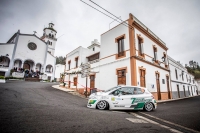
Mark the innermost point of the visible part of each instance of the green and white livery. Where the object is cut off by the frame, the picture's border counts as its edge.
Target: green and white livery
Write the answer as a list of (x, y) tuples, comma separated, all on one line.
[(123, 98)]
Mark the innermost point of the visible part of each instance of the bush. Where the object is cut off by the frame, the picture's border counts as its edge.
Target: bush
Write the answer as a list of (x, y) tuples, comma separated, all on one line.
[(2, 77), (11, 71), (12, 78)]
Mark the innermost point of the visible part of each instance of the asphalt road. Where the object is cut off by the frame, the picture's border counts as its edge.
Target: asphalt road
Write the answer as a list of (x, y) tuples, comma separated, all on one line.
[(37, 107), (185, 112)]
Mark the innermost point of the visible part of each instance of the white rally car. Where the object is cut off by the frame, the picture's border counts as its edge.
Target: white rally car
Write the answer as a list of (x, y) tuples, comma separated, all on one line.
[(123, 98)]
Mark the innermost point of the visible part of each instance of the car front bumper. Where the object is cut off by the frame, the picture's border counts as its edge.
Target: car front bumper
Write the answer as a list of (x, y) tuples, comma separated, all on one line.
[(92, 103)]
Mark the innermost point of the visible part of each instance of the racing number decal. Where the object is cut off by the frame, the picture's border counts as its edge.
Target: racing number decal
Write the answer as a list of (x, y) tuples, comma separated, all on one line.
[(133, 100), (140, 100)]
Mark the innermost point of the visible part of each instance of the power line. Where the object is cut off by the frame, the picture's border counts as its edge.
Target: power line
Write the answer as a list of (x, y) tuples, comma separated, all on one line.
[(106, 14)]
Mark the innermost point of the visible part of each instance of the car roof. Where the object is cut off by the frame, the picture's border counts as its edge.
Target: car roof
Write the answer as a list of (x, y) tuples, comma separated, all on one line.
[(129, 86)]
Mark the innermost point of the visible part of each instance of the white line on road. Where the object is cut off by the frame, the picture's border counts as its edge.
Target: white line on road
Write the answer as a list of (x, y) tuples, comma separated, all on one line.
[(136, 120), (171, 123), (153, 122)]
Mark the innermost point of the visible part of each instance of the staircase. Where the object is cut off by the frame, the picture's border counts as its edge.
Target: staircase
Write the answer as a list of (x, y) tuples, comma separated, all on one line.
[(32, 79)]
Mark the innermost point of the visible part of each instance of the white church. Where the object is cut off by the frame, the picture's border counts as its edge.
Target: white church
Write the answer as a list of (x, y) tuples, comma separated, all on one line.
[(29, 52)]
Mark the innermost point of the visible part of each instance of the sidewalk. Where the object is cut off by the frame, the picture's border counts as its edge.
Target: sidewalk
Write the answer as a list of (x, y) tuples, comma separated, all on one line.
[(68, 90), (62, 88), (76, 93)]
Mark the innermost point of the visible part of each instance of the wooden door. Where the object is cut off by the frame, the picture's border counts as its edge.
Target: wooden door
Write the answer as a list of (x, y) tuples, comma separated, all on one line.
[(191, 91), (142, 78), (92, 81), (169, 97), (26, 66), (158, 85), (184, 90), (75, 81), (178, 91), (121, 77)]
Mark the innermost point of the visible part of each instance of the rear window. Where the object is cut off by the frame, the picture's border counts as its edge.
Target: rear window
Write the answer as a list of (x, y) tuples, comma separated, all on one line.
[(138, 90)]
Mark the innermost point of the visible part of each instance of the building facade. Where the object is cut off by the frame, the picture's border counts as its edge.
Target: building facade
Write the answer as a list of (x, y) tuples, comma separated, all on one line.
[(129, 55), (29, 52), (73, 79), (183, 84)]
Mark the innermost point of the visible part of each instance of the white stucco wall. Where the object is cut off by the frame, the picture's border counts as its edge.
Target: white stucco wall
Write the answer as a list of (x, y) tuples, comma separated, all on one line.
[(24, 53), (150, 77), (108, 44), (6, 48), (59, 69), (148, 48), (174, 65)]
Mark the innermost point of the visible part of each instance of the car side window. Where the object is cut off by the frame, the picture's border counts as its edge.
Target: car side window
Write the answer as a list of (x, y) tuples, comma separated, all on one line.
[(138, 90), (115, 93), (127, 90)]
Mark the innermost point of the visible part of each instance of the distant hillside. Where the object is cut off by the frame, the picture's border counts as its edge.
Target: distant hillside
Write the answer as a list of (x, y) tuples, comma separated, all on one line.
[(194, 71)]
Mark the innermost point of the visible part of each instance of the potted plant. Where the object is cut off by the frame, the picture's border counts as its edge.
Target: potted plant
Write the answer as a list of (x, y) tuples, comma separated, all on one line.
[(2, 79)]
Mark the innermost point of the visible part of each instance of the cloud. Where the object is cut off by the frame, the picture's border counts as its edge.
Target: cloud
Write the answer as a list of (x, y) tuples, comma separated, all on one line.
[(175, 22)]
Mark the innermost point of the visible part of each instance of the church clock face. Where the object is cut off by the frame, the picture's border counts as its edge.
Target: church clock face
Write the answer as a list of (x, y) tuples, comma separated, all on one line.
[(32, 46)]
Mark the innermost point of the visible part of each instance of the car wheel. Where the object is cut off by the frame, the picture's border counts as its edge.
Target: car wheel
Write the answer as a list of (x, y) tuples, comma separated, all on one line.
[(148, 106), (102, 105)]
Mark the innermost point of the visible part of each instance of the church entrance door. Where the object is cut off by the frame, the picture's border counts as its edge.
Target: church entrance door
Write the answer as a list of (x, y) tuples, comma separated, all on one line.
[(26, 66)]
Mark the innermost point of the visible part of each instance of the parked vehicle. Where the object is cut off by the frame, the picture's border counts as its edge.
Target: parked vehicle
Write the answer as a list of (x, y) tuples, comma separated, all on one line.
[(123, 98)]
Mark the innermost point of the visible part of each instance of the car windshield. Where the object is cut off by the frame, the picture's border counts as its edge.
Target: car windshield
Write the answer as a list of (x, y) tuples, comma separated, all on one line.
[(110, 89)]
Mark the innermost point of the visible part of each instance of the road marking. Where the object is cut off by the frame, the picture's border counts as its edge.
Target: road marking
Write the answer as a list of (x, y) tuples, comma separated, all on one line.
[(171, 123), (119, 112), (136, 120), (153, 122)]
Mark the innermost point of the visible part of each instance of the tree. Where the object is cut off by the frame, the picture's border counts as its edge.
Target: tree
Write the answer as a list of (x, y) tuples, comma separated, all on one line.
[(60, 60)]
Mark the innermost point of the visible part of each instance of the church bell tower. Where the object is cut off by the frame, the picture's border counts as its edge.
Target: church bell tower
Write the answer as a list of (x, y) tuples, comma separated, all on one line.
[(49, 36)]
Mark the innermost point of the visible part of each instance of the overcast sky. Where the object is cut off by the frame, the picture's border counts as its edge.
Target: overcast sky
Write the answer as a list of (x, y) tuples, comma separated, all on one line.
[(176, 22)]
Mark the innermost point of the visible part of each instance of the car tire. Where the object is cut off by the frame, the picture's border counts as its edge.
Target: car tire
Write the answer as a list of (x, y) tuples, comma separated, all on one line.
[(148, 106), (102, 105)]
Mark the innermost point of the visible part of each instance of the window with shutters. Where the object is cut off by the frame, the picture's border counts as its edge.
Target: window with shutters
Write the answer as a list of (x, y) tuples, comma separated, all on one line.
[(140, 46), (165, 60), (176, 74), (121, 53), (155, 54), (93, 57), (120, 47), (76, 62), (182, 76), (187, 77), (69, 63)]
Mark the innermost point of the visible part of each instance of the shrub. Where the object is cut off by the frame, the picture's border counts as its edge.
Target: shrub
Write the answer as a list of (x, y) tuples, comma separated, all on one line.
[(2, 77)]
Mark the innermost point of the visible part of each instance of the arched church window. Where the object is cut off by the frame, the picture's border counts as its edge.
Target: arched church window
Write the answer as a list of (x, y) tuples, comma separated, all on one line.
[(32, 46), (52, 36), (49, 35)]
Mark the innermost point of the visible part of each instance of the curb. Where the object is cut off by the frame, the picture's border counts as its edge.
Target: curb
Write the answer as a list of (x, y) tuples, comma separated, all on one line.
[(170, 100), (62, 89)]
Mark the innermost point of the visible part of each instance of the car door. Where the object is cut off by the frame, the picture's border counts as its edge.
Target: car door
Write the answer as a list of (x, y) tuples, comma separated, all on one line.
[(121, 98), (138, 99)]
